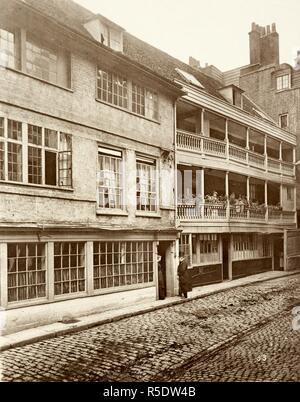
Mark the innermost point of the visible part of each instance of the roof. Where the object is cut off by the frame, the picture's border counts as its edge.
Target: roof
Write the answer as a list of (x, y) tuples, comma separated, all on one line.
[(66, 12), (164, 64), (73, 16)]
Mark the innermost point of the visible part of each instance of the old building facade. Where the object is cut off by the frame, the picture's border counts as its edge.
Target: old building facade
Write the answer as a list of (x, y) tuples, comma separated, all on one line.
[(87, 166), (273, 85), (112, 152)]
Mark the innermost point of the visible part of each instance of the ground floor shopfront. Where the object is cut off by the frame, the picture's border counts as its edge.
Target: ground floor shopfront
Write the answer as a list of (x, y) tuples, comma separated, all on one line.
[(50, 276), (217, 257)]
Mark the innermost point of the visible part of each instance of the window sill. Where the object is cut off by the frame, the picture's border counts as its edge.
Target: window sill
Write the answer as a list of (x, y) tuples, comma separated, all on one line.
[(38, 186), (127, 111), (112, 212), (282, 90), (166, 208), (39, 79), (146, 214)]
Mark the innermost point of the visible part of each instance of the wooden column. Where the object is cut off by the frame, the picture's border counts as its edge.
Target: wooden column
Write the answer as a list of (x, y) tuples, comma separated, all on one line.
[(230, 257), (247, 144), (202, 121), (266, 153), (266, 199), (227, 139), (199, 122), (3, 275), (227, 195), (190, 250), (171, 257), (50, 270), (89, 251), (285, 262)]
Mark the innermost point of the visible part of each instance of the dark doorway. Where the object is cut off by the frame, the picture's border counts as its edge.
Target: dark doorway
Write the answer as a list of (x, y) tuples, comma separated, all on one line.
[(225, 242), (162, 277), (278, 254)]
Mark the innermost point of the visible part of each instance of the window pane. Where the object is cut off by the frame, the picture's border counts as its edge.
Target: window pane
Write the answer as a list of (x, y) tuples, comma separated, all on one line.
[(112, 88), (69, 268), (110, 188), (138, 99), (42, 62), (34, 165), (146, 187), (34, 135), (26, 277), (2, 153), (8, 49), (113, 267), (65, 160), (14, 130), (14, 156), (51, 138)]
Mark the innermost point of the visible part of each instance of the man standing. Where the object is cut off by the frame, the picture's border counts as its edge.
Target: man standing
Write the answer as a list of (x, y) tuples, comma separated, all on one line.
[(185, 283)]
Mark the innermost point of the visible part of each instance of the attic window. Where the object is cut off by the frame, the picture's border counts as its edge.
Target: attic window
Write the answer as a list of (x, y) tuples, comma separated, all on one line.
[(189, 78), (106, 32)]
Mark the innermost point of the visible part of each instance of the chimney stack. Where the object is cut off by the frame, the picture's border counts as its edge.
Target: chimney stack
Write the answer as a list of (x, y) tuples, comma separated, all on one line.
[(264, 45), (194, 63)]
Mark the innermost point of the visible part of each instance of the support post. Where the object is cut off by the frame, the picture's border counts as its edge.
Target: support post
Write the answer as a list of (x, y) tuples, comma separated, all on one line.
[(89, 267), (3, 275)]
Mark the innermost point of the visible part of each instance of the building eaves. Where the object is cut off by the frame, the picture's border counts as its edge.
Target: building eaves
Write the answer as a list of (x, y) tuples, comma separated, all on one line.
[(51, 9)]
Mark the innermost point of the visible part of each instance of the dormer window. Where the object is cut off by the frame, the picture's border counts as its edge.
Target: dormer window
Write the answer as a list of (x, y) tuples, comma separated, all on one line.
[(106, 32), (189, 78), (283, 82), (233, 95)]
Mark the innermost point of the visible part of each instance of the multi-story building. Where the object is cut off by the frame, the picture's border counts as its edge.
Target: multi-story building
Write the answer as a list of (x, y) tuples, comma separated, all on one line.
[(112, 151), (235, 174), (86, 166), (274, 86)]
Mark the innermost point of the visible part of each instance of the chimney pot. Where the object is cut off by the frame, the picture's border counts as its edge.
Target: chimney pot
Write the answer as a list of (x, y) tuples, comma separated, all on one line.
[(268, 29), (273, 27)]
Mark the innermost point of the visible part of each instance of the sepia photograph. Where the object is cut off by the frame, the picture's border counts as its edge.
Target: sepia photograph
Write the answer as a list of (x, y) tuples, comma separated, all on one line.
[(149, 194)]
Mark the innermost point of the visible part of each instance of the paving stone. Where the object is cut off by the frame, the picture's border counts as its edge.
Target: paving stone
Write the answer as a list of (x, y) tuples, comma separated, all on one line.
[(144, 347)]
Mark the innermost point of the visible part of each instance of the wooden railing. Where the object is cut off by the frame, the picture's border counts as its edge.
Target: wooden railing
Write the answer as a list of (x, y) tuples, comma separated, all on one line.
[(225, 212), (221, 149)]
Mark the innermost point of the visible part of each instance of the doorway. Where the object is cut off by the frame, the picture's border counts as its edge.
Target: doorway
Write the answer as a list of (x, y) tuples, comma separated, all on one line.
[(162, 276), (225, 243), (278, 254)]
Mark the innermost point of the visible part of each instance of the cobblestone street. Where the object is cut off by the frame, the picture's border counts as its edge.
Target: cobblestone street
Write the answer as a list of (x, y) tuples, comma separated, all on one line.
[(271, 353), (154, 345)]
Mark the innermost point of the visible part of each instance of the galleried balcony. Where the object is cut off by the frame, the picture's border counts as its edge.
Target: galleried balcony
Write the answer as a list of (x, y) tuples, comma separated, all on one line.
[(211, 135), (213, 195)]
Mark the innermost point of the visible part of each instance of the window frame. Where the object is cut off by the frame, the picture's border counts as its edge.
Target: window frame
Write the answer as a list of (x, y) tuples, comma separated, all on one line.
[(120, 155), (280, 79), (152, 163), (36, 300), (25, 145), (287, 120), (134, 249), (21, 60), (130, 85)]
